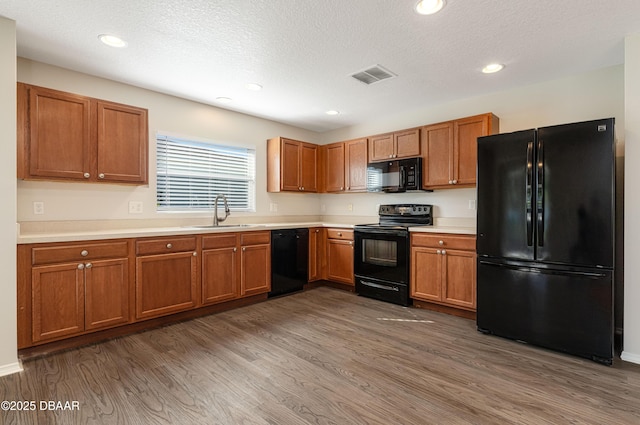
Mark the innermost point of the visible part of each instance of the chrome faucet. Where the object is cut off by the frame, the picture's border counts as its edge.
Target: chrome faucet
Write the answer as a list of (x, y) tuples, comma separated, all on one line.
[(216, 219)]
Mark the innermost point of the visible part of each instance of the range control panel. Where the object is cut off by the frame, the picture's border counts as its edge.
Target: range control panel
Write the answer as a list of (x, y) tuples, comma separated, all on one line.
[(399, 210)]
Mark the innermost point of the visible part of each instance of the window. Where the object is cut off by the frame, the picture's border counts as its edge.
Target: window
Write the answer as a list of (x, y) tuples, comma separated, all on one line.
[(191, 173)]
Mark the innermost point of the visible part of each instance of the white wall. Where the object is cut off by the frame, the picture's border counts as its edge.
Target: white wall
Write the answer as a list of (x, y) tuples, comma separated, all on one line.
[(594, 95), (631, 350), (8, 333), (83, 201)]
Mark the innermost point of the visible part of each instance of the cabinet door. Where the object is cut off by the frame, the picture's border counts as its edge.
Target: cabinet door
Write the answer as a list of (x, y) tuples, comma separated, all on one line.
[(335, 167), (57, 301), (315, 254), (355, 165), (466, 133), (407, 143), (460, 278), (165, 284), (290, 165), (219, 277), (59, 142), (426, 274), (123, 138), (381, 147), (308, 167), (255, 269), (106, 293), (340, 261), (437, 151)]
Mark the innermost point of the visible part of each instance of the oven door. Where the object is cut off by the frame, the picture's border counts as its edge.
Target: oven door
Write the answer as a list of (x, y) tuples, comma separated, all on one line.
[(382, 254)]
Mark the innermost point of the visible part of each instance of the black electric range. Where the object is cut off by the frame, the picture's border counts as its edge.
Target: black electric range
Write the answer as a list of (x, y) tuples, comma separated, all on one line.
[(382, 251)]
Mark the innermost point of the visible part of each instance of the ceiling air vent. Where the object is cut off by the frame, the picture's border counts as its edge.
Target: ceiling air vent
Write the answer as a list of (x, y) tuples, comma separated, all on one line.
[(373, 74)]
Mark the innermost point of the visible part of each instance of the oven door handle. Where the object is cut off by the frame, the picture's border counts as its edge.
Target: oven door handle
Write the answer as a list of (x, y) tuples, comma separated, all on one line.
[(380, 286)]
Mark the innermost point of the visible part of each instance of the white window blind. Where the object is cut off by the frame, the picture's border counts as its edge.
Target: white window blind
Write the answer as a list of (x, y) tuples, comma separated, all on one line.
[(190, 174)]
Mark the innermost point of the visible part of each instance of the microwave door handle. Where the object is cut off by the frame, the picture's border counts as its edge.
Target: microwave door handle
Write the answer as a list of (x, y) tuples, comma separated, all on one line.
[(403, 177)]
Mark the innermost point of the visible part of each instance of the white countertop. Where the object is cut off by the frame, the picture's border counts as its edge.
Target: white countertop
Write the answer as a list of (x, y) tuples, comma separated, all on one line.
[(69, 235)]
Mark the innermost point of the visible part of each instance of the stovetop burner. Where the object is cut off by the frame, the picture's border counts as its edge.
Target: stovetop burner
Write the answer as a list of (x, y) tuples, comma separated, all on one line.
[(402, 216)]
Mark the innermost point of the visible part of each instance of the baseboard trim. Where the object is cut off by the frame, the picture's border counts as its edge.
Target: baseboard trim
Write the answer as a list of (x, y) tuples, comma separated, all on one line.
[(11, 368), (630, 357)]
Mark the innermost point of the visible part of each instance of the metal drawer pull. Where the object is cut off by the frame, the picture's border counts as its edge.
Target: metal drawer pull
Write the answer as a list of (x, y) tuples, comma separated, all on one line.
[(440, 242), (169, 246), (84, 253), (379, 286), (88, 265), (80, 266)]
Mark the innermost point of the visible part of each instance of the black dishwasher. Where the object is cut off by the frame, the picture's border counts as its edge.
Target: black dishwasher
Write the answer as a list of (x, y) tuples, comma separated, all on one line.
[(289, 260)]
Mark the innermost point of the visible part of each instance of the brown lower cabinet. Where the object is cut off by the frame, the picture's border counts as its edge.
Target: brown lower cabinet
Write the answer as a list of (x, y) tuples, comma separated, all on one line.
[(340, 256), (69, 289), (443, 269)]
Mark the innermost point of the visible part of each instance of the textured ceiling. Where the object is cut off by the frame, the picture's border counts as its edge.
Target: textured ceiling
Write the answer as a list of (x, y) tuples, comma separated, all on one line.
[(303, 51)]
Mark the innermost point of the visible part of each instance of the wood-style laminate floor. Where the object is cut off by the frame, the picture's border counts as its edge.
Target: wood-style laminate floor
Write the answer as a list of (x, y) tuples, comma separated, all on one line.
[(322, 356)]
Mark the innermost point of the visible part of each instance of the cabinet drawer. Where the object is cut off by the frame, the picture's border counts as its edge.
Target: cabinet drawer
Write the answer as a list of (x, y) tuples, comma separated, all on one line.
[(255, 238), (78, 252), (227, 240), (439, 240), (343, 234), (166, 245)]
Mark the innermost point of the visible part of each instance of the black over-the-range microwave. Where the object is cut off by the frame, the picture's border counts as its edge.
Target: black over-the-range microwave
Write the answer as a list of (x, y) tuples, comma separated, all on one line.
[(398, 175)]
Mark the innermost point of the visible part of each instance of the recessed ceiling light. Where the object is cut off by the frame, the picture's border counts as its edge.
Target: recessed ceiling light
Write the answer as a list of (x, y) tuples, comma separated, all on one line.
[(253, 86), (429, 7), (112, 40), (491, 68), (223, 99), (332, 112)]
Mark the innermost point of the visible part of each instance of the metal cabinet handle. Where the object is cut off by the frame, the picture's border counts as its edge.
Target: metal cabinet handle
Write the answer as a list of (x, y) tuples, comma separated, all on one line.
[(86, 175), (80, 266), (195, 254), (88, 265), (169, 246), (455, 182), (317, 231), (444, 252), (101, 175), (302, 188), (438, 252), (440, 242), (235, 249), (84, 252), (244, 248)]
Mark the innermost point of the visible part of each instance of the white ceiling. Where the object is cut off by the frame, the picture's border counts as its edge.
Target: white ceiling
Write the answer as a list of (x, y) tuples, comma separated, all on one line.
[(304, 51)]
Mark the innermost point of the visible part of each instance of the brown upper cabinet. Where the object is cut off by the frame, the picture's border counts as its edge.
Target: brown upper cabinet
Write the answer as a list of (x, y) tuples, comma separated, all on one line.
[(346, 166), (449, 150), (291, 165), (400, 144), (68, 137)]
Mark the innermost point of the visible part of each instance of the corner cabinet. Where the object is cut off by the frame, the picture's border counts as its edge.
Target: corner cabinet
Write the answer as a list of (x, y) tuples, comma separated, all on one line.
[(346, 166), (291, 166), (443, 269), (68, 137), (449, 150)]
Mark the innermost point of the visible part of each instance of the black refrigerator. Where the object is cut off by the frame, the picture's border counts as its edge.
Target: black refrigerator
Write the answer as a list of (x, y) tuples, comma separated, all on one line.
[(545, 237)]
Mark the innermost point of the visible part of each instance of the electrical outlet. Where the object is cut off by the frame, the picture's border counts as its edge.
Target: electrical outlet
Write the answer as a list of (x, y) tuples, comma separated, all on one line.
[(135, 207), (273, 207), (472, 204), (350, 207), (38, 208)]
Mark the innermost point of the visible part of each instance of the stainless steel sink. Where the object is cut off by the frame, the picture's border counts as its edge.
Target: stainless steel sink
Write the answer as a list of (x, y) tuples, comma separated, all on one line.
[(211, 226)]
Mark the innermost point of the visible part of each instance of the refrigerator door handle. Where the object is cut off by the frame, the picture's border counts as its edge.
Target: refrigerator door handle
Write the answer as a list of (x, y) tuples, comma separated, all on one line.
[(528, 269), (540, 193), (529, 194)]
